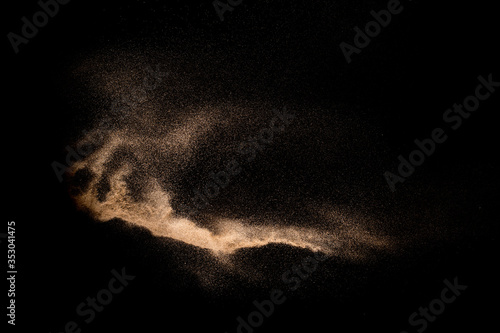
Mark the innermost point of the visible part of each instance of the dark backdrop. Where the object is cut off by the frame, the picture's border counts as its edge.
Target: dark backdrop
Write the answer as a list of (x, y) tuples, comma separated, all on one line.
[(427, 59)]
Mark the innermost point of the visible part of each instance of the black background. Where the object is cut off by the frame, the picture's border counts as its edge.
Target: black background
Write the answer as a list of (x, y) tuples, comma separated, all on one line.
[(428, 58)]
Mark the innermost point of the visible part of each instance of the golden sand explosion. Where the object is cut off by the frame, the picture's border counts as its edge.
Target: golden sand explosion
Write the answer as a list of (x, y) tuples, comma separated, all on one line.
[(339, 236), (164, 133)]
